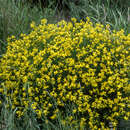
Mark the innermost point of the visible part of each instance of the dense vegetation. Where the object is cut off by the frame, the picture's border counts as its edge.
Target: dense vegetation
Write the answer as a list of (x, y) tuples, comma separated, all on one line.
[(61, 72)]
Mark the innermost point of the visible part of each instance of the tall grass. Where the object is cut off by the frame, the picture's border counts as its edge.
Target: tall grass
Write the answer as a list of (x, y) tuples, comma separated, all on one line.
[(9, 121), (107, 12), (16, 15), (15, 18)]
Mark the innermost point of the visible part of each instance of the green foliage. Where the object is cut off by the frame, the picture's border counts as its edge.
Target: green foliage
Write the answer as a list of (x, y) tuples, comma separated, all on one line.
[(15, 16), (104, 12), (15, 19), (57, 65), (59, 4)]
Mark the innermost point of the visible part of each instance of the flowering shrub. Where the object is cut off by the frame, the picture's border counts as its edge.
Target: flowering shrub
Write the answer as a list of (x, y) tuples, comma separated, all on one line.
[(68, 63)]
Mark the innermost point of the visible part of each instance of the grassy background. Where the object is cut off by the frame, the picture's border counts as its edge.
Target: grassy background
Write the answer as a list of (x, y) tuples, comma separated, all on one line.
[(15, 18), (16, 15)]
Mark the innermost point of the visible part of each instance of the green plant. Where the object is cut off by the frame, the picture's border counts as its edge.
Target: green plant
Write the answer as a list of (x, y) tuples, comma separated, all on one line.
[(68, 63), (105, 12), (15, 18)]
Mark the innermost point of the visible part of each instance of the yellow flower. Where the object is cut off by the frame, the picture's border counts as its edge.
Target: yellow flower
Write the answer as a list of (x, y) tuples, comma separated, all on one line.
[(32, 25), (80, 65), (53, 117), (43, 21), (39, 113), (74, 20)]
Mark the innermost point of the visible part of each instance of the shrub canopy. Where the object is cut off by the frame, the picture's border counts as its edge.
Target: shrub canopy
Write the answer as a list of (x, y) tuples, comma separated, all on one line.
[(75, 65)]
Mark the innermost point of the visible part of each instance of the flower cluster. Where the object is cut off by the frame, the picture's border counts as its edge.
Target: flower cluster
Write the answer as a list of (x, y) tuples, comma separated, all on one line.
[(68, 63)]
